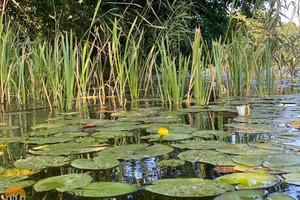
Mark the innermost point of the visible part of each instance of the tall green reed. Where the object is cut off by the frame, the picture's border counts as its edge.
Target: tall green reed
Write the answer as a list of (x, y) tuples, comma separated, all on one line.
[(69, 50), (199, 72), (174, 72), (124, 63)]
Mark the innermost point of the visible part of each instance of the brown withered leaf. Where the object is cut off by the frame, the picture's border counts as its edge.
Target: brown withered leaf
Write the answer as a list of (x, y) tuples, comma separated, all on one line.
[(89, 125), (295, 124), (226, 169)]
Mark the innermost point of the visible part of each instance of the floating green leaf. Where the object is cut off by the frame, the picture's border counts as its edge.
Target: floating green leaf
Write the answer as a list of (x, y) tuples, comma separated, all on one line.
[(7, 182), (41, 162), (188, 187), (207, 156), (48, 125), (170, 137), (199, 144), (71, 135), (250, 180), (251, 128), (121, 126), (63, 183), (172, 128), (104, 189), (111, 134), (280, 160), (286, 169), (245, 149), (96, 163), (242, 195), (46, 140), (252, 161), (279, 196), (136, 151), (292, 178), (67, 148), (267, 146), (210, 134), (170, 163), (42, 132)]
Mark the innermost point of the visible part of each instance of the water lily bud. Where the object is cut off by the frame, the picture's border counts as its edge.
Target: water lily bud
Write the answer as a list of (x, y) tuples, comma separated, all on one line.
[(163, 131), (243, 110)]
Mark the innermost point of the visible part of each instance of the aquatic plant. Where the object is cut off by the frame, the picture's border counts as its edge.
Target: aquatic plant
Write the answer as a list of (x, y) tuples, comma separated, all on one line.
[(162, 132), (243, 110)]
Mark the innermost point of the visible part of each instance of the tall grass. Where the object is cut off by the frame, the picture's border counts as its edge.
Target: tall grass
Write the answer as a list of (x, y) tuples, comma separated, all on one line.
[(246, 65), (173, 78), (199, 79), (66, 69)]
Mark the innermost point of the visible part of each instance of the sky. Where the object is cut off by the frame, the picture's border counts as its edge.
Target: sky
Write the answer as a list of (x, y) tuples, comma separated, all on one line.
[(291, 8)]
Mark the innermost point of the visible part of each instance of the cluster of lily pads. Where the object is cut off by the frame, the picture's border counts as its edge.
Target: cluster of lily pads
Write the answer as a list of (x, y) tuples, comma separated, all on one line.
[(270, 157)]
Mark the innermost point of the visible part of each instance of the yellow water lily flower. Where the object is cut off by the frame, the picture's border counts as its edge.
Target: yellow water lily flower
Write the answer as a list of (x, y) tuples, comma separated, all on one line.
[(3, 146), (163, 131)]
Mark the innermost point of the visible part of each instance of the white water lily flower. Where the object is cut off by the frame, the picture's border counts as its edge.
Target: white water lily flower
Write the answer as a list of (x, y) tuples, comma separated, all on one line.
[(243, 110)]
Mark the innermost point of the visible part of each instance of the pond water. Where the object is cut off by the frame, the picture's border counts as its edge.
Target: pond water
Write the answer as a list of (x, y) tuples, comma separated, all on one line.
[(265, 146)]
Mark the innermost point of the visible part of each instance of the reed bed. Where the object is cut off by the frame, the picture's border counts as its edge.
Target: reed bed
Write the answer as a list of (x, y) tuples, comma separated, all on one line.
[(66, 71)]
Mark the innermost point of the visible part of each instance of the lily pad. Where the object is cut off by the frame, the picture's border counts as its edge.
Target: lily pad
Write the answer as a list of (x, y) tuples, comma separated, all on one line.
[(207, 156), (121, 126), (48, 125), (245, 168), (136, 151), (251, 128), (282, 160), (199, 144), (172, 128), (90, 139), (42, 132), (170, 137), (252, 161), (7, 182), (245, 149), (67, 148), (208, 134), (292, 178), (170, 163), (97, 163), (188, 187), (63, 183), (41, 162), (250, 180), (286, 169), (267, 146), (18, 172), (46, 140), (104, 189), (279, 196), (111, 134), (242, 195)]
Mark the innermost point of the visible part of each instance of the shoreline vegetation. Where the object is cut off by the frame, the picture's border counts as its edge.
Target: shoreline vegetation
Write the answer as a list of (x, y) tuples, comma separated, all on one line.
[(115, 62)]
